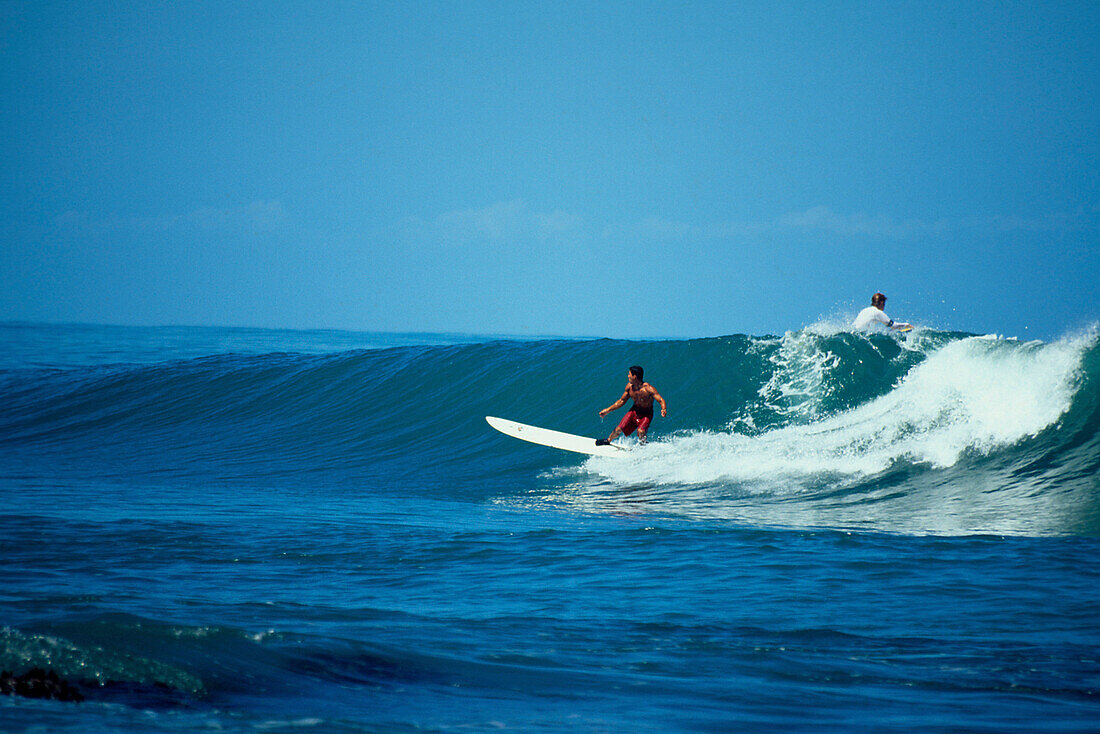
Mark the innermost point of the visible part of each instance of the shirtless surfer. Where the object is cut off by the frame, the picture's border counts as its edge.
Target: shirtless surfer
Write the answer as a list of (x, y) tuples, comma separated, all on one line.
[(641, 413), (874, 315)]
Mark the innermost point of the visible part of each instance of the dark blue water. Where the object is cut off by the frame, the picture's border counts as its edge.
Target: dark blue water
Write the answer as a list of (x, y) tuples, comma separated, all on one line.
[(281, 531)]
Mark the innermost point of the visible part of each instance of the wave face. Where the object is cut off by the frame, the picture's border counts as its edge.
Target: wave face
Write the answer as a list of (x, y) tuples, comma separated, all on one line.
[(233, 530), (930, 433)]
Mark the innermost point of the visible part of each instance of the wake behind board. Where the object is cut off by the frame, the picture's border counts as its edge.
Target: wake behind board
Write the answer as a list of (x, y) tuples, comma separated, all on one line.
[(554, 439)]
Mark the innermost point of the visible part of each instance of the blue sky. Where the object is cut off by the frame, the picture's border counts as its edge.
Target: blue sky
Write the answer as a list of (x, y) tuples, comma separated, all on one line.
[(598, 168)]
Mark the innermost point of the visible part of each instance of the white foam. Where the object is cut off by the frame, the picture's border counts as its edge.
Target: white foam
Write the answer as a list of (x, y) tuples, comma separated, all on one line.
[(801, 364), (973, 395), (800, 368)]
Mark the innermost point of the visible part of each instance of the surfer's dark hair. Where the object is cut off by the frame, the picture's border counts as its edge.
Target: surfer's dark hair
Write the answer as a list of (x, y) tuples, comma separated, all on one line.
[(637, 371)]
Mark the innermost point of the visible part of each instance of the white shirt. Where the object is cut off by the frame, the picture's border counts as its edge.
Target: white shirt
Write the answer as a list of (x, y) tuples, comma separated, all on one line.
[(870, 317)]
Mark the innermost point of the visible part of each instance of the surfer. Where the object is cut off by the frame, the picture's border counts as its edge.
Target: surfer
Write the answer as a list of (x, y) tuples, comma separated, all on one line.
[(641, 413), (874, 314)]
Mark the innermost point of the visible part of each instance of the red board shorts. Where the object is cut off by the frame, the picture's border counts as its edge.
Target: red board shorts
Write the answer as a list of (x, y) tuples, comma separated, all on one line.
[(638, 420)]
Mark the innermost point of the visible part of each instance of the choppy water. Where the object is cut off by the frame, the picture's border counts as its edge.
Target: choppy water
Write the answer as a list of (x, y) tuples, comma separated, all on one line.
[(266, 531)]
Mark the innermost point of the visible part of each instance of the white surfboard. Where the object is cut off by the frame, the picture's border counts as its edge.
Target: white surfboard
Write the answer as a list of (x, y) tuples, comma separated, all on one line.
[(554, 439)]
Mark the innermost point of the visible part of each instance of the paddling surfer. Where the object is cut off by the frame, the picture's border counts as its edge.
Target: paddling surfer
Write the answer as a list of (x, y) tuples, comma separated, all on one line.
[(641, 413), (874, 315)]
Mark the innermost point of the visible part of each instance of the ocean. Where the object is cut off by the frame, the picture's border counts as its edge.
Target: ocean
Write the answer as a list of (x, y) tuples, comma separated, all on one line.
[(244, 530)]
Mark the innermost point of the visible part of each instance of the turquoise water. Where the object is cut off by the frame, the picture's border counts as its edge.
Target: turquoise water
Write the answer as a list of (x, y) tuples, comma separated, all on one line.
[(254, 530)]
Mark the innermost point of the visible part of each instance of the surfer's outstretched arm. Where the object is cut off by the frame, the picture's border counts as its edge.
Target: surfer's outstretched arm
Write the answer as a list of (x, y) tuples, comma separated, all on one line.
[(616, 405)]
